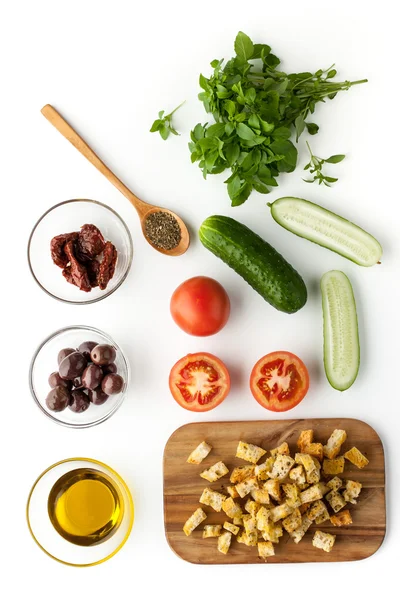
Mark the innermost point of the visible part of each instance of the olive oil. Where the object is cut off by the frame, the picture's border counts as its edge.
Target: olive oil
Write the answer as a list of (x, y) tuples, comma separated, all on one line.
[(85, 507)]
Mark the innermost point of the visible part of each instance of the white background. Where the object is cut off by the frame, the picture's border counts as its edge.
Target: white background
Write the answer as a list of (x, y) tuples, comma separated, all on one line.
[(109, 67)]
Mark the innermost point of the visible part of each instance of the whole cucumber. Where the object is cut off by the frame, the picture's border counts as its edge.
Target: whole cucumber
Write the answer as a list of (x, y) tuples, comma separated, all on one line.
[(256, 261)]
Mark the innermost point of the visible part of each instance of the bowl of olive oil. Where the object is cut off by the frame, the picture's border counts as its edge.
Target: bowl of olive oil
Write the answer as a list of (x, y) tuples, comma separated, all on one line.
[(80, 512)]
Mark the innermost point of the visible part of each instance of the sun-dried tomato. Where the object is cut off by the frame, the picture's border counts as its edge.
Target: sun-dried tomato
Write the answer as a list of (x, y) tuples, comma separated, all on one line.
[(90, 242), (107, 265), (93, 267), (76, 271), (57, 248)]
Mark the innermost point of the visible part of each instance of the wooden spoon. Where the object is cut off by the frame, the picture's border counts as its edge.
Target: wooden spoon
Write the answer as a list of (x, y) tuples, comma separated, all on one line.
[(143, 208)]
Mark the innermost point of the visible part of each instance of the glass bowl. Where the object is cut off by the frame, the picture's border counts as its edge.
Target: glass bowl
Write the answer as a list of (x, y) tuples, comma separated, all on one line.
[(44, 362), (66, 217), (47, 537)]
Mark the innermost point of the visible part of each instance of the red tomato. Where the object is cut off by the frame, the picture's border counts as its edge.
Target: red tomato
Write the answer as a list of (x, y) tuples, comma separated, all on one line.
[(200, 306), (279, 381), (199, 382)]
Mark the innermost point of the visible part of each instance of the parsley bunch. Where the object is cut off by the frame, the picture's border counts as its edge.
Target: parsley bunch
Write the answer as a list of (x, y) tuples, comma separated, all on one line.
[(256, 109)]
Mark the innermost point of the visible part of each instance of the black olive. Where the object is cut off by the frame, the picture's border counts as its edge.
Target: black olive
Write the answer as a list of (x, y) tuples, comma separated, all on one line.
[(58, 398), (72, 366), (97, 396), (79, 401), (92, 377), (85, 348), (103, 354), (112, 384)]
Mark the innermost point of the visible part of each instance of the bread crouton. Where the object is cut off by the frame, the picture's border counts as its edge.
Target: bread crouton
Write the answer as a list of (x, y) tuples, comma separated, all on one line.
[(316, 509), (334, 484), (333, 466), (305, 439), (247, 539), (249, 452), (297, 475), (324, 541), (313, 493), (261, 470), (282, 449), (293, 521), (336, 501), (272, 532), (298, 534), (211, 498), (355, 457), (194, 521), (265, 549), (282, 466), (224, 542), (292, 494), (199, 453), (260, 496), (231, 527), (211, 531), (232, 491), (352, 491), (341, 518), (249, 523), (251, 506), (232, 509), (315, 449), (239, 474), (333, 445), (280, 512), (311, 466), (273, 488), (215, 472), (245, 487), (262, 518), (323, 516), (238, 521)]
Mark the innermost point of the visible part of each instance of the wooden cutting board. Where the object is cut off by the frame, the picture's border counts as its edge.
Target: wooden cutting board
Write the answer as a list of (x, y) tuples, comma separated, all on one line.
[(183, 487)]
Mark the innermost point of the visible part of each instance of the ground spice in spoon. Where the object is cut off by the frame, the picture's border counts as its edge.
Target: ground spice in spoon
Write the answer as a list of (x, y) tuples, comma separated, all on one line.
[(163, 230)]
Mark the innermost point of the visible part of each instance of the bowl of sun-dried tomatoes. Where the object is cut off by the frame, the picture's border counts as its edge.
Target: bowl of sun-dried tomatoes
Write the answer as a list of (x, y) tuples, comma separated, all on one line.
[(80, 251)]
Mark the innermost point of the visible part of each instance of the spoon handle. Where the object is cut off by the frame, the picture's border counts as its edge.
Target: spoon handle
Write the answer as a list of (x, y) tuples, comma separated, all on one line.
[(70, 134)]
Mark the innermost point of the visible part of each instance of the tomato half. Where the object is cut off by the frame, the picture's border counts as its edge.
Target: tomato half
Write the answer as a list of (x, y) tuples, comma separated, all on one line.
[(279, 381), (200, 306), (199, 382)]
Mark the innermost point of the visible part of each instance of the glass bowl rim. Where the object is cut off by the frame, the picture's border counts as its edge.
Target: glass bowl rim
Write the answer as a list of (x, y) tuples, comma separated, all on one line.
[(120, 480), (53, 336), (91, 300)]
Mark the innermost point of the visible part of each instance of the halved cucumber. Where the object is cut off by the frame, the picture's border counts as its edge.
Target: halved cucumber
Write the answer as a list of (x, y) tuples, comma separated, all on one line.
[(323, 227), (341, 343)]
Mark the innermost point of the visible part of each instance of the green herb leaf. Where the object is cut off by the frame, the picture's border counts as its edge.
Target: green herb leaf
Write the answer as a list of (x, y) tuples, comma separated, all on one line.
[(164, 124), (234, 187), (261, 50), (232, 153), (312, 128), (300, 126), (243, 46), (243, 194), (317, 163), (244, 132), (336, 158)]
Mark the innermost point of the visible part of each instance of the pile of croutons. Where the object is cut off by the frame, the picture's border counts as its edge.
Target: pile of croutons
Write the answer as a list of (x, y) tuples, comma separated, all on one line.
[(282, 493)]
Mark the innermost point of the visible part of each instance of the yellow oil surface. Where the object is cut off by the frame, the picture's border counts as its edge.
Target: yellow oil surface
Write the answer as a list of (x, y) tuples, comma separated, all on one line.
[(85, 507)]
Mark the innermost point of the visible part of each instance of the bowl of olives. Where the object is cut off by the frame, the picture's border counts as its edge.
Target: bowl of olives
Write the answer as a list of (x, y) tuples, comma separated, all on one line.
[(79, 376)]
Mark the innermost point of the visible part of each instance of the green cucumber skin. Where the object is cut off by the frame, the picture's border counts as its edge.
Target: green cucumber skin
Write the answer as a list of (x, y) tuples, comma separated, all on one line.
[(326, 323), (274, 205), (256, 261)]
